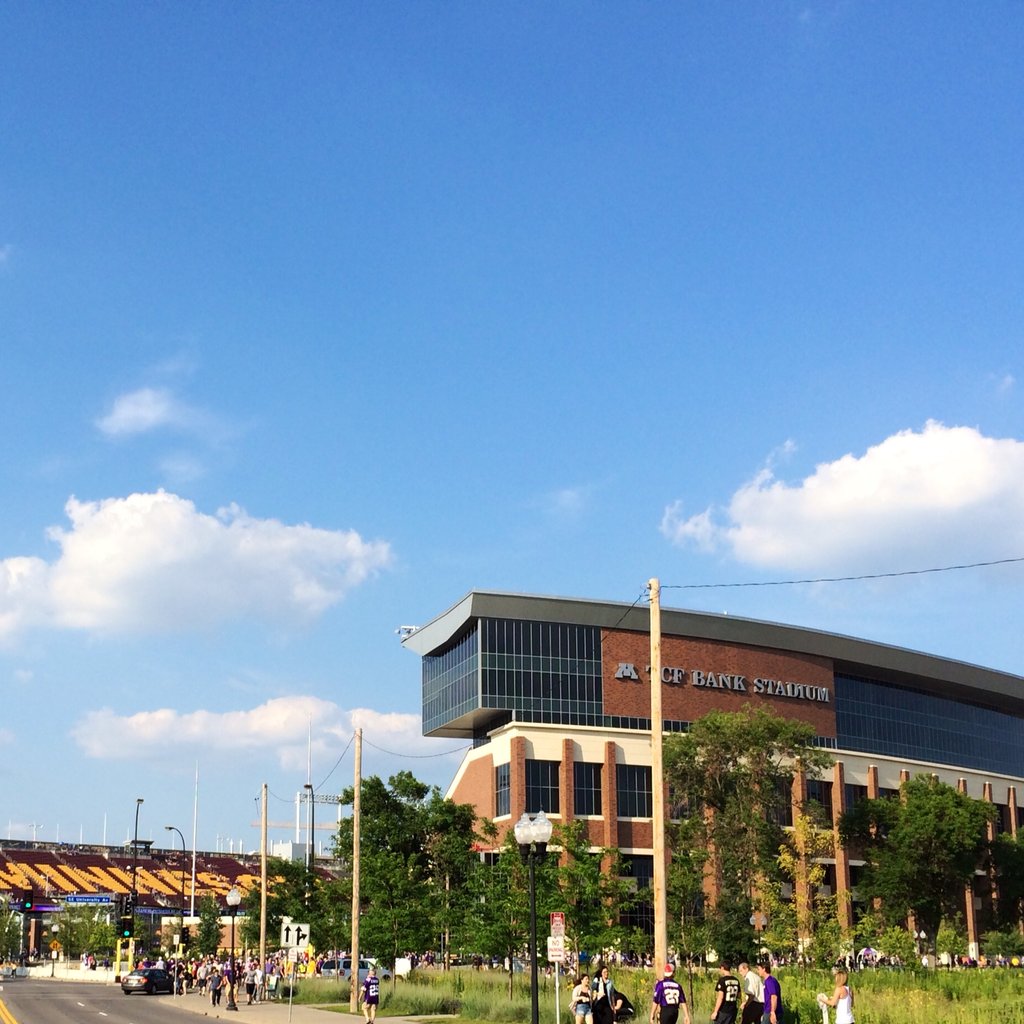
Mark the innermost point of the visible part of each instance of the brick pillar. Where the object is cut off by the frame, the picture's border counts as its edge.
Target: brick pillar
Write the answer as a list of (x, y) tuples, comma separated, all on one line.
[(801, 887), (873, 782), (844, 902), (566, 778), (990, 834), (1011, 803), (610, 798), (517, 778), (969, 915), (904, 776)]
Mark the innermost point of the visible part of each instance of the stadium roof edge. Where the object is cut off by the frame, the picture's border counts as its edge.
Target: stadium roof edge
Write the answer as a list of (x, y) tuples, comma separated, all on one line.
[(848, 654)]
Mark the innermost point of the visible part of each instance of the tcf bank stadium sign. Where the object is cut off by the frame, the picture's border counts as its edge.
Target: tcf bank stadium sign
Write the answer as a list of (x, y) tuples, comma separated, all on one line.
[(730, 681)]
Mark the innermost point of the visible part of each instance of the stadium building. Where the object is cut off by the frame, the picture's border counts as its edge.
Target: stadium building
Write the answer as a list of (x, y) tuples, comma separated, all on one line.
[(555, 695)]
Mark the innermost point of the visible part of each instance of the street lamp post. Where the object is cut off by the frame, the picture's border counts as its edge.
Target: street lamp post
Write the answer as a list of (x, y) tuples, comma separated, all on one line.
[(181, 927), (533, 836), (233, 898), (135, 871)]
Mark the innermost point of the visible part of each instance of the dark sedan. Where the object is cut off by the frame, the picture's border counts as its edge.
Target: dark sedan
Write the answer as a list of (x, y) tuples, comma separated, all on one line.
[(147, 979)]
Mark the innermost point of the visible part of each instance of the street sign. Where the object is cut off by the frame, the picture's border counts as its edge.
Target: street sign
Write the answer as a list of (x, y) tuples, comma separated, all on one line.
[(95, 898), (294, 936), (556, 949), (558, 924), (759, 921)]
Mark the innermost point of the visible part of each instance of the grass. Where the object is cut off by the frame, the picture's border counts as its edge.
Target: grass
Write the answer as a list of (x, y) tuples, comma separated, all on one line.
[(881, 997)]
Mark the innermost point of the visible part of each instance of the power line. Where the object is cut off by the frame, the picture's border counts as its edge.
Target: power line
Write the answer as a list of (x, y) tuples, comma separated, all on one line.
[(395, 753), (839, 579)]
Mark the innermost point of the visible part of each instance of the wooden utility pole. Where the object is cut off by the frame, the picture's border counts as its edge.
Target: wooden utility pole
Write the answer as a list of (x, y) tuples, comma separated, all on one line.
[(353, 991), (263, 879), (658, 785)]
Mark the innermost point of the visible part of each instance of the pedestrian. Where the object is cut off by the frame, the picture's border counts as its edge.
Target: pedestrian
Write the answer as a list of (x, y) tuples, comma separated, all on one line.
[(215, 982), (772, 995), (370, 994), (607, 1001), (842, 999), (753, 990), (581, 1002), (727, 995), (669, 999)]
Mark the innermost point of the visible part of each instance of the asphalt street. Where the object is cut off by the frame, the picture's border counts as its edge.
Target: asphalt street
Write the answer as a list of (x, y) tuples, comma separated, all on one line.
[(42, 1001)]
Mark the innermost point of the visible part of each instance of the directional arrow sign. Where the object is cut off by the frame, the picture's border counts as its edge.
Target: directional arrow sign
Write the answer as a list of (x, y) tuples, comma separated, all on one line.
[(294, 935)]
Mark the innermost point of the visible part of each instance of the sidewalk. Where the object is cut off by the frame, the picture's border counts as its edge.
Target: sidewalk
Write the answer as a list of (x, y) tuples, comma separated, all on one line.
[(276, 1011)]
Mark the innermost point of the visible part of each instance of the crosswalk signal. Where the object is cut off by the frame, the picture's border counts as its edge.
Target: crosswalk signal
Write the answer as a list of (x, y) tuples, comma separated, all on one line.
[(127, 926)]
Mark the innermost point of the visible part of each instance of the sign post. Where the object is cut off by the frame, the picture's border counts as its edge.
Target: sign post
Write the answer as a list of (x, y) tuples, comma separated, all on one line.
[(556, 954)]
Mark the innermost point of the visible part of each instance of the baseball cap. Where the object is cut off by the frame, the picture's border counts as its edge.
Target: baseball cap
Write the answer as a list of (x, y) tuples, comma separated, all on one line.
[(669, 968)]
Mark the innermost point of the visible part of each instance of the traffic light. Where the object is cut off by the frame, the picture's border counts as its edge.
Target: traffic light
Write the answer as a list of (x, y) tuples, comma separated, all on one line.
[(26, 901), (127, 926), (130, 902), (118, 904), (185, 935)]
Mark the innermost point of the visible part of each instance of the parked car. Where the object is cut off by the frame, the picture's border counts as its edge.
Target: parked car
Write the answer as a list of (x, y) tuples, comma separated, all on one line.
[(329, 969), (147, 979)]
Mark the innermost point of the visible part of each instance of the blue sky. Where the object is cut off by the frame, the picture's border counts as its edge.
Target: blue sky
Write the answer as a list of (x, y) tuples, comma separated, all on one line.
[(314, 317)]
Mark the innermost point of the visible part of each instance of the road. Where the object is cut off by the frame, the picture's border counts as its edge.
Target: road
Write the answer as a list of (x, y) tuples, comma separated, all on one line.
[(31, 1001)]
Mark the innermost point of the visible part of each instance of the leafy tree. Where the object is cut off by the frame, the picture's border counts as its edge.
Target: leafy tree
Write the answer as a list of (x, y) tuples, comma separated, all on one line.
[(10, 936), (921, 849), (1007, 862), (729, 778), (208, 937), (287, 888), (593, 894), (415, 852), (499, 911)]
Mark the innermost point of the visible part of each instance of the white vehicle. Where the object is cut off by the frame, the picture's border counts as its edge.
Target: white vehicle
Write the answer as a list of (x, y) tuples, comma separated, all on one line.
[(329, 969)]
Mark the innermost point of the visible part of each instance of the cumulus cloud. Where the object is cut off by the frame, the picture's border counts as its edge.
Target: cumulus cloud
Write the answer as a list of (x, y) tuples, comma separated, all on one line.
[(291, 727), (929, 497), (153, 562)]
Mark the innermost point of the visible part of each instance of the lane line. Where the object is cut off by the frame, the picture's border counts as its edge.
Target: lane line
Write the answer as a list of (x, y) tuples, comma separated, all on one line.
[(5, 1014)]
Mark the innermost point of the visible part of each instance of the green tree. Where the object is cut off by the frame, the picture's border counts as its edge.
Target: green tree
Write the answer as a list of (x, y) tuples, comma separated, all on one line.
[(287, 891), (1007, 864), (729, 782), (415, 853), (920, 849), (592, 891), (208, 938)]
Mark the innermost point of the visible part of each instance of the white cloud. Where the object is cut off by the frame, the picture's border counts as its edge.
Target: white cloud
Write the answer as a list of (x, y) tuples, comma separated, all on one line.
[(152, 562), (941, 495), (143, 410), (284, 725)]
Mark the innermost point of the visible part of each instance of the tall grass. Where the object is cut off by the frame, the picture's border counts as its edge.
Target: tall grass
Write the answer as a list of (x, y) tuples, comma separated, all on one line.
[(881, 997)]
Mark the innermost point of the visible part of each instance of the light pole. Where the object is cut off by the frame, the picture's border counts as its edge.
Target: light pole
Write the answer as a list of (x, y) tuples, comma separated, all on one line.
[(135, 871), (233, 898), (533, 835), (181, 929)]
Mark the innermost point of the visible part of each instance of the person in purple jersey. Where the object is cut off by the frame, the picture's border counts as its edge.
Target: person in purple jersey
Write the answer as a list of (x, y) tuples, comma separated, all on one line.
[(668, 1000), (370, 995), (772, 995)]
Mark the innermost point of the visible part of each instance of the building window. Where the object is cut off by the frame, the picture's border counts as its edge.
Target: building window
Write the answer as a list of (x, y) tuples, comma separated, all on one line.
[(853, 794), (819, 791), (780, 810), (634, 791), (586, 788), (881, 718), (502, 790), (542, 787)]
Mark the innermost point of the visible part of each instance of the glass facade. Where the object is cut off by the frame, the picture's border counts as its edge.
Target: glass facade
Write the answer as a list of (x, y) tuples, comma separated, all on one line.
[(545, 672), (586, 788), (451, 683), (880, 718), (634, 791), (542, 787)]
